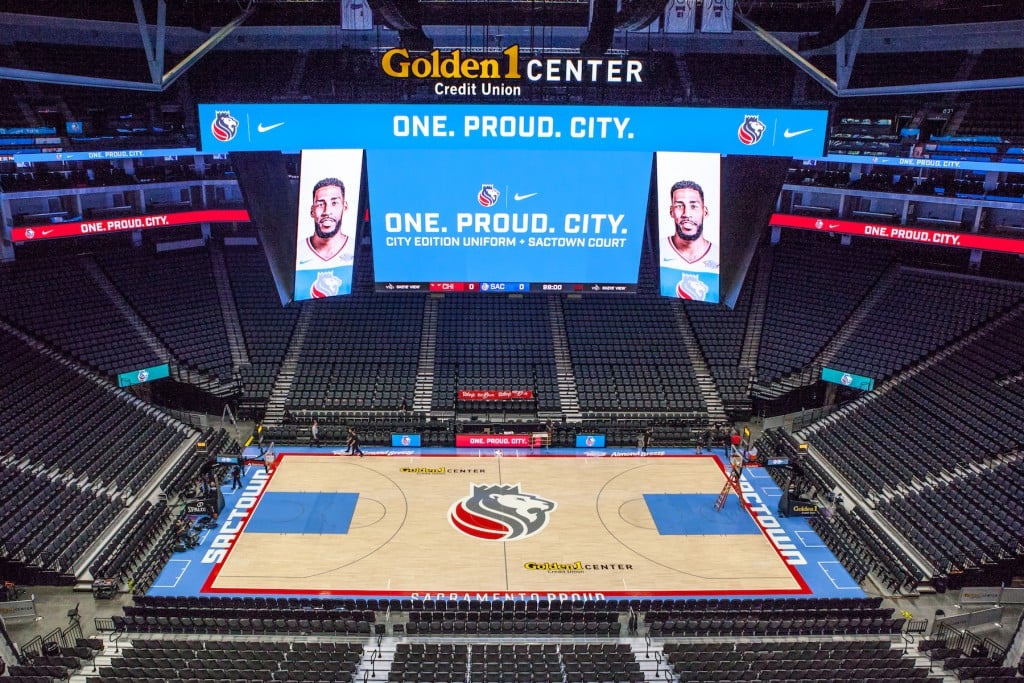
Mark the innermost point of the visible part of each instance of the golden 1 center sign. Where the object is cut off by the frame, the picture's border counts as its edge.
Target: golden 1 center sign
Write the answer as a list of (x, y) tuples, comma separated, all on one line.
[(460, 75)]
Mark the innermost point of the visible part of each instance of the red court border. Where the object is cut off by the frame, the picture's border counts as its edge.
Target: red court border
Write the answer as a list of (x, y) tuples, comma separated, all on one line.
[(208, 587)]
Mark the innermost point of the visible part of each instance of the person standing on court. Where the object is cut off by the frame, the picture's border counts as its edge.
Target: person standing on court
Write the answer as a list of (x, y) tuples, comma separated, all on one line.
[(353, 443), (314, 433), (236, 477)]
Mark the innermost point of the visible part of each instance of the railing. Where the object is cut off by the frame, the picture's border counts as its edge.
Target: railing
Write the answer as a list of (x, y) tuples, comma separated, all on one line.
[(59, 637), (908, 640), (966, 642), (372, 673), (806, 417), (917, 626)]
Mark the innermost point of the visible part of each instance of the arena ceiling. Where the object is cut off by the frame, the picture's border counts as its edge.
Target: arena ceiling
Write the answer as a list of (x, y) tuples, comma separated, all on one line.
[(803, 31)]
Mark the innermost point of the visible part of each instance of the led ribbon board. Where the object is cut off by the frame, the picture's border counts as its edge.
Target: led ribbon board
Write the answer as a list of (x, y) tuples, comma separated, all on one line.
[(293, 127)]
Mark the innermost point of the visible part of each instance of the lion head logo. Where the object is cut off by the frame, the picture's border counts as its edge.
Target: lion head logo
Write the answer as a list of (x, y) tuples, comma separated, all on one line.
[(498, 512), (751, 130), (326, 284), (224, 126), (488, 195)]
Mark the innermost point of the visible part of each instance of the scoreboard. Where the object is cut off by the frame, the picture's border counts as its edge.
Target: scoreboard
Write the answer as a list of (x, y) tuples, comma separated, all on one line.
[(511, 198)]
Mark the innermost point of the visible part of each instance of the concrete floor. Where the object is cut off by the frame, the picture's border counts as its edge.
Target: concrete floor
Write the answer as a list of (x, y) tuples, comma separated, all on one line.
[(52, 605)]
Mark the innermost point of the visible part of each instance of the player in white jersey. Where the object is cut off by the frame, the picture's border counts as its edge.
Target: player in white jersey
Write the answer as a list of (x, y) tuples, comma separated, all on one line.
[(687, 249), (328, 246)]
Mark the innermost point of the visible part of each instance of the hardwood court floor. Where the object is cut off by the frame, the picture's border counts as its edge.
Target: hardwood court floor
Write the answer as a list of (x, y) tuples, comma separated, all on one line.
[(600, 537)]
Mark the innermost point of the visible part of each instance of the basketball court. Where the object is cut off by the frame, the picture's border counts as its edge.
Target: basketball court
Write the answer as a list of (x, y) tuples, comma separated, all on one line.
[(503, 525)]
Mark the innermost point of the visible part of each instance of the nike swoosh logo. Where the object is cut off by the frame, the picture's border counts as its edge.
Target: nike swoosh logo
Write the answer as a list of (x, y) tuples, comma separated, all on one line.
[(263, 129), (793, 133), (46, 232), (520, 197), (833, 225)]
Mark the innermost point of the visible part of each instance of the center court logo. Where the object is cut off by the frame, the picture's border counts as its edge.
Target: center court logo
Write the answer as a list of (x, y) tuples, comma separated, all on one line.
[(497, 512)]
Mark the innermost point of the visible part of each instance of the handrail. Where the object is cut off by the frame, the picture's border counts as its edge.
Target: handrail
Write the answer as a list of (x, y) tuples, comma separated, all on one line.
[(908, 640), (373, 662), (33, 647), (115, 637)]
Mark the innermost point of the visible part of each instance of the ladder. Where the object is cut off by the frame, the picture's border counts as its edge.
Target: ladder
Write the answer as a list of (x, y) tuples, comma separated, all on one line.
[(733, 482)]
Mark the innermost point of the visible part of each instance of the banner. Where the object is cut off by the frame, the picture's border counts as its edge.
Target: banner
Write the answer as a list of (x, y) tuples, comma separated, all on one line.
[(681, 16), (161, 220), (756, 131), (493, 440), (590, 441), (985, 594), (847, 379), (34, 157), (965, 164), (901, 233), (201, 507), (717, 16), (126, 379), (37, 130), (494, 394), (18, 609), (356, 15), (406, 441)]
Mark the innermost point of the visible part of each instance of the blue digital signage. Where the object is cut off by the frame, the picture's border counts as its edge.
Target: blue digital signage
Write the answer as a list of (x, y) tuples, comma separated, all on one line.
[(293, 127), (507, 221)]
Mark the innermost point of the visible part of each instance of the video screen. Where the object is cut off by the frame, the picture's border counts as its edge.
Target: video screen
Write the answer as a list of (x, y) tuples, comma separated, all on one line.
[(689, 219), (524, 197), (330, 184), (507, 220)]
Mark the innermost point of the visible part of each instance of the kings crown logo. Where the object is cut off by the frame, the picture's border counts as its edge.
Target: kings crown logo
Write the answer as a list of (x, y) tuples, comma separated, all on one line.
[(326, 284), (224, 126), (751, 130), (488, 195), (497, 512)]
